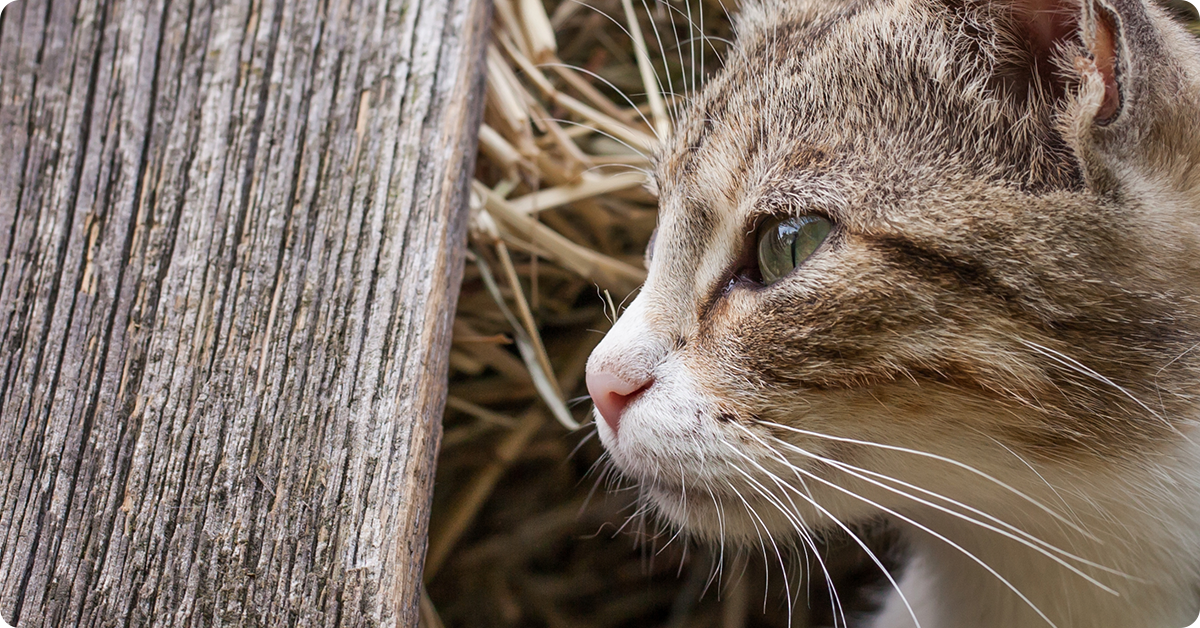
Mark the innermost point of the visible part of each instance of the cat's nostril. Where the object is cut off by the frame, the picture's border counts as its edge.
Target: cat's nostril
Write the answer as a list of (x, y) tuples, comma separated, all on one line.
[(612, 394)]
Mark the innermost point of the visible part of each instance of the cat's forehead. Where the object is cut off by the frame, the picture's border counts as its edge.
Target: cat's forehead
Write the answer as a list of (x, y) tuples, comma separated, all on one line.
[(853, 96)]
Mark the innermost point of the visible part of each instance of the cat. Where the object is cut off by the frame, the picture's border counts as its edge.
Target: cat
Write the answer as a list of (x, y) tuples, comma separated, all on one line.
[(934, 263)]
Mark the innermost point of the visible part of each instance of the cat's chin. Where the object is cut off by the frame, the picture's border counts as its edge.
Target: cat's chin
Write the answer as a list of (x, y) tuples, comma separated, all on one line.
[(728, 518)]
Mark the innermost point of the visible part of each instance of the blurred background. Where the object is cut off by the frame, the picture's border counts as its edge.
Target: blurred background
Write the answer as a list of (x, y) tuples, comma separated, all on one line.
[(527, 530)]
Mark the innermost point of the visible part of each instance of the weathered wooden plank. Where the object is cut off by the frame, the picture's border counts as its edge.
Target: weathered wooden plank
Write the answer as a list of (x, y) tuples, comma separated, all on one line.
[(232, 235)]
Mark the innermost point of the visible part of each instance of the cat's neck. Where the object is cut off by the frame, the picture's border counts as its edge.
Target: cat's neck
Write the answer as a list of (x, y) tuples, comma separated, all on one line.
[(1150, 534)]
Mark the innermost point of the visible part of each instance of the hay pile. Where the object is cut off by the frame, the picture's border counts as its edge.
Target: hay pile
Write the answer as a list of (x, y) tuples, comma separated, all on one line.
[(561, 220)]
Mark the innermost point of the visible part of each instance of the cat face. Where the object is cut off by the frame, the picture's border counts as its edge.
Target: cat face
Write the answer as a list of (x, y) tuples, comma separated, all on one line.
[(996, 292)]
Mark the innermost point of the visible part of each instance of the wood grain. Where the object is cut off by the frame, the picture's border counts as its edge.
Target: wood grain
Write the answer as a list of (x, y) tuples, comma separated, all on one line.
[(232, 237)]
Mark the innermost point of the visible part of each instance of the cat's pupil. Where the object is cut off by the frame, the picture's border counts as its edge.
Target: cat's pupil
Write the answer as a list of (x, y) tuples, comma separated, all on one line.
[(785, 242)]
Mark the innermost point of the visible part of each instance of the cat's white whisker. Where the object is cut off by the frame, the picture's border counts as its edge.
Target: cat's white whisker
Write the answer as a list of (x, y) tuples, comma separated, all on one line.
[(1061, 499), (657, 105), (704, 37), (797, 521), (682, 506), (719, 512), (759, 527), (1157, 388), (932, 533), (966, 467), (676, 102), (620, 168), (778, 553), (792, 515), (709, 38), (621, 306), (788, 487), (587, 500), (587, 437), (610, 136), (650, 79), (643, 507), (687, 5), (1176, 359), (608, 83), (1010, 531), (1075, 366)]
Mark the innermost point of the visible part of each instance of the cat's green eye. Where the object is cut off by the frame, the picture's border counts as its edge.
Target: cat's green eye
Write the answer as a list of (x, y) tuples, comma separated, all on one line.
[(785, 242)]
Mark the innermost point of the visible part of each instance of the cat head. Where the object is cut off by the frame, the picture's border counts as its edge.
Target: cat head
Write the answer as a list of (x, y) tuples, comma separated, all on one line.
[(904, 238)]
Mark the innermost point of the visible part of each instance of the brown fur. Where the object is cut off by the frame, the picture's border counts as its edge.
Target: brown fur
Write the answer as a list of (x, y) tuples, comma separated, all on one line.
[(964, 224), (1012, 282)]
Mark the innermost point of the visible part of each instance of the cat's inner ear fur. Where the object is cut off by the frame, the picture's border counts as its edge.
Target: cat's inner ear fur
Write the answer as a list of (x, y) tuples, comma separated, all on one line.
[(1068, 44)]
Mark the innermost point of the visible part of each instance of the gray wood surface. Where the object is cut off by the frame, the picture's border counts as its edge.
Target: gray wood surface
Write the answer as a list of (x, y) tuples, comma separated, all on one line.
[(232, 235)]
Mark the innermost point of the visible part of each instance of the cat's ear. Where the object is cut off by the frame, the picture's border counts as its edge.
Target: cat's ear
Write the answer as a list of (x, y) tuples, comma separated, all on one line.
[(1072, 43)]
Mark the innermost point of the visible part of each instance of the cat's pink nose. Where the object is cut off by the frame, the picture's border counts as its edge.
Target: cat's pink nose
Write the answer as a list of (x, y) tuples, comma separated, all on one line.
[(612, 394)]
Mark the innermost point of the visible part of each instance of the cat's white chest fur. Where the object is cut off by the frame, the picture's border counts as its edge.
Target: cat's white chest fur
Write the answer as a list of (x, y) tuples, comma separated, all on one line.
[(1157, 585)]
